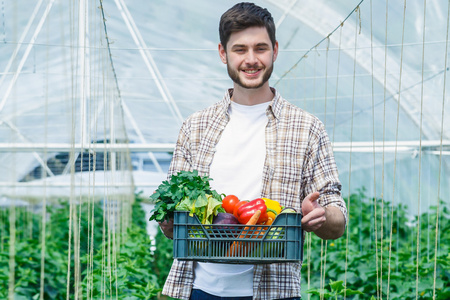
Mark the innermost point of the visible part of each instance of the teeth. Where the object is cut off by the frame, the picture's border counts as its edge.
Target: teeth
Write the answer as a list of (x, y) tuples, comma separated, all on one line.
[(251, 71)]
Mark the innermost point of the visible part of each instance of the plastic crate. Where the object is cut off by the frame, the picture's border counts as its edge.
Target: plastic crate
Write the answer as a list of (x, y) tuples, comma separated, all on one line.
[(280, 242)]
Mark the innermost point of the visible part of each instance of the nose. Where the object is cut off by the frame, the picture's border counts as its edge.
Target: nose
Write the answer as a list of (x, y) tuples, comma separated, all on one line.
[(250, 58)]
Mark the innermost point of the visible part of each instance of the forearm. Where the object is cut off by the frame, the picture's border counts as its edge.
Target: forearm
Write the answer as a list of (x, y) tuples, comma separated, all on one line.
[(167, 228), (334, 226)]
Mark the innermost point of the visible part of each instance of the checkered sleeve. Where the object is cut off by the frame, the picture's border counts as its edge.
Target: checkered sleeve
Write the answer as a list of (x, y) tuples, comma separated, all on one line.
[(324, 173), (182, 158)]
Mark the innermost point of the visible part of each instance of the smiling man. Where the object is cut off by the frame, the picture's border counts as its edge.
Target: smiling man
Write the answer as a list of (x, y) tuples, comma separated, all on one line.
[(249, 58), (256, 144)]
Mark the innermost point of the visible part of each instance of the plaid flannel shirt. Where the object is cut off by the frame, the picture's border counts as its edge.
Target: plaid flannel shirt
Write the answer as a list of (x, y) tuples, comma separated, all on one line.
[(299, 160)]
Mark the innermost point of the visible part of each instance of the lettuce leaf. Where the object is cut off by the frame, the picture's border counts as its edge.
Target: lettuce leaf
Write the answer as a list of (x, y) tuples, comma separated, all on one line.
[(184, 184), (205, 207)]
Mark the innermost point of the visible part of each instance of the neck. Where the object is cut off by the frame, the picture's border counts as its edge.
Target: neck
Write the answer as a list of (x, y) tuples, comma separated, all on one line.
[(252, 96)]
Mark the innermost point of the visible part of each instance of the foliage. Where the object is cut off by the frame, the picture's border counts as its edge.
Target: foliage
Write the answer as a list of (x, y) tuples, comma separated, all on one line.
[(121, 272), (205, 207), (337, 288), (370, 258), (129, 276), (373, 256), (184, 184)]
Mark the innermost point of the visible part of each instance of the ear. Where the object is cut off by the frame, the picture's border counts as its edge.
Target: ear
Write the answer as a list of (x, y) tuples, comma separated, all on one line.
[(222, 53), (275, 51)]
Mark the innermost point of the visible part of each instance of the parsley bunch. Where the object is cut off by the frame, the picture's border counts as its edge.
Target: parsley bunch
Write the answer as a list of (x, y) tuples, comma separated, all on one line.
[(185, 184)]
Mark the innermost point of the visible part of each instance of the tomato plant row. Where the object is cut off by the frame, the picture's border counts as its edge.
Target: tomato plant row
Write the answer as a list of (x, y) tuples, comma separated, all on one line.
[(133, 265)]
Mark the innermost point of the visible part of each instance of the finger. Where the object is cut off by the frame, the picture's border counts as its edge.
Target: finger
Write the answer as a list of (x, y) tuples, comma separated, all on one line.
[(314, 214), (311, 227), (314, 220), (313, 196), (313, 224)]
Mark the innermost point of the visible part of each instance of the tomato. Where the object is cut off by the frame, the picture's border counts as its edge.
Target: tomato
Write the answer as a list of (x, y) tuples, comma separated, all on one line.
[(236, 207), (229, 202)]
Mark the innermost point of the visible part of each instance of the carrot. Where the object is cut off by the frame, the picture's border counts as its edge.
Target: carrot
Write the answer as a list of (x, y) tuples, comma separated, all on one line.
[(237, 248), (269, 221)]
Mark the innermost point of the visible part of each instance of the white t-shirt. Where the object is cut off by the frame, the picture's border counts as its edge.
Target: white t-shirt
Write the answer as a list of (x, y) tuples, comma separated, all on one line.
[(236, 169)]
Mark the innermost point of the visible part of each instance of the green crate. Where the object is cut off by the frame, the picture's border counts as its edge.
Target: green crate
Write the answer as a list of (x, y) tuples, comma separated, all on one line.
[(280, 242)]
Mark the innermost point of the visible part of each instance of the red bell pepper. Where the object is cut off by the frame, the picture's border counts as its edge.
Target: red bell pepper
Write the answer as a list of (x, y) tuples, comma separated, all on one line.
[(237, 205), (246, 211)]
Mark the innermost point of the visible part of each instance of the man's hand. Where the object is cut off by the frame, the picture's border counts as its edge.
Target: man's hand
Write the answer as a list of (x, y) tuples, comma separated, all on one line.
[(326, 223), (167, 228), (313, 213)]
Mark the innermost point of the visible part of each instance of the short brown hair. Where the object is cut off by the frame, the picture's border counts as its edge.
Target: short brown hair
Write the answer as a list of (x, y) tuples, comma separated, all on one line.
[(242, 16)]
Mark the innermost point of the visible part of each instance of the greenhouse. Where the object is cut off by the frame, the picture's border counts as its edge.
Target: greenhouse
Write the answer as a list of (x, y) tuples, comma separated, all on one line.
[(92, 98)]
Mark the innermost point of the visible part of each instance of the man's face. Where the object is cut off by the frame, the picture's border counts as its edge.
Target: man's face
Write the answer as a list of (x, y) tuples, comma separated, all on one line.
[(249, 57)]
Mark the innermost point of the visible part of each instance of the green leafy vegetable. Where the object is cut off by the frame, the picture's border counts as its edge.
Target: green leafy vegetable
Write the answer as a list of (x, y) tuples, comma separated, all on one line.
[(184, 184), (205, 207)]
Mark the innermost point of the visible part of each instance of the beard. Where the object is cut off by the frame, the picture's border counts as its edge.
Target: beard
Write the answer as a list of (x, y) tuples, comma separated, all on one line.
[(234, 75)]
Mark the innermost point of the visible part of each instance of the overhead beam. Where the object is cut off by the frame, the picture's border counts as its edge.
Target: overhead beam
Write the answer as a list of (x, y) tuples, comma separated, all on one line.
[(25, 55), (21, 41), (67, 147), (97, 184), (433, 146), (149, 61)]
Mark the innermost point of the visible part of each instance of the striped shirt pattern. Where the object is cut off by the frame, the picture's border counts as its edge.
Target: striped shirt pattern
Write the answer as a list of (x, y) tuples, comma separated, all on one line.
[(299, 160)]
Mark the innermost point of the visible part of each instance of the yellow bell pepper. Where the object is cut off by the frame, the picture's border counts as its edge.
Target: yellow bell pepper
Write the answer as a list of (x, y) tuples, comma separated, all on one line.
[(273, 208)]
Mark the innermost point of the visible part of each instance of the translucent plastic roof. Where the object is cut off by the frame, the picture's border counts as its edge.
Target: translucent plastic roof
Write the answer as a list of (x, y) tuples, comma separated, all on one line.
[(128, 70)]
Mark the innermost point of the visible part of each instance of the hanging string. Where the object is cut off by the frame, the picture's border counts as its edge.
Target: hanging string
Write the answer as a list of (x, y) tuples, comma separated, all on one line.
[(378, 275), (108, 46), (43, 230), (126, 211), (12, 250), (85, 88), (440, 156), (326, 81), (107, 211), (358, 10), (324, 244), (313, 110), (395, 151), (420, 153), (308, 234), (383, 152), (337, 83), (322, 267), (308, 243), (91, 168), (72, 145), (12, 207), (106, 221), (304, 84), (104, 246)]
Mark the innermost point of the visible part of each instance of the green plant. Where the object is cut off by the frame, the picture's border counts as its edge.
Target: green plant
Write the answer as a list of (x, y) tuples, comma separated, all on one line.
[(185, 185), (121, 269), (337, 288), (375, 260)]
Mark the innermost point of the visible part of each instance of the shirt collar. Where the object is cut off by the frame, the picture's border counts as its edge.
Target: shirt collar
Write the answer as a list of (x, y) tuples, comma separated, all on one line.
[(275, 104)]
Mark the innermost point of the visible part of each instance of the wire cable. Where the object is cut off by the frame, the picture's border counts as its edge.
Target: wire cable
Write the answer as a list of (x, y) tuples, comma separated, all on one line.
[(320, 42)]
